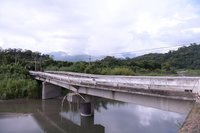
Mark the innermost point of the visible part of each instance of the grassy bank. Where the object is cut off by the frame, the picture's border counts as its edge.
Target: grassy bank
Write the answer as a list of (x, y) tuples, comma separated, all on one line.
[(16, 83), (189, 72)]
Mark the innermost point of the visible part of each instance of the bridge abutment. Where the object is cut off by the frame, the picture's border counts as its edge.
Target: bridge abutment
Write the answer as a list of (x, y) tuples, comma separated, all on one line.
[(50, 90)]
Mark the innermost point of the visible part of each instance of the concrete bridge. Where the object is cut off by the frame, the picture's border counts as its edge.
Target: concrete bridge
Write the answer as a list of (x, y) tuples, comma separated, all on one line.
[(166, 93)]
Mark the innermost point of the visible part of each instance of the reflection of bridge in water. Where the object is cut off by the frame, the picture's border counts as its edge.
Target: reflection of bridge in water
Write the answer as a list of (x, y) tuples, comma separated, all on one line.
[(166, 93), (50, 119), (65, 123)]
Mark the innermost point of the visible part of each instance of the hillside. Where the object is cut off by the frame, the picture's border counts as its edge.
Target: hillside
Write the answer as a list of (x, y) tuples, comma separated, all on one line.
[(185, 58)]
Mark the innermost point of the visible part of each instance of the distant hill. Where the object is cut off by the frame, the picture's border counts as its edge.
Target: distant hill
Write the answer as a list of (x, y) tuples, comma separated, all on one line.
[(184, 57), (62, 56)]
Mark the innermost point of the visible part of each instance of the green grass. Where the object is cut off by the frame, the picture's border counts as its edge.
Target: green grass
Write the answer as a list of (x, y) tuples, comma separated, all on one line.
[(16, 83)]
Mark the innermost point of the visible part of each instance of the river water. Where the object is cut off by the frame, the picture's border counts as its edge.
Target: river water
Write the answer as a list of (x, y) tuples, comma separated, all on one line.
[(39, 116)]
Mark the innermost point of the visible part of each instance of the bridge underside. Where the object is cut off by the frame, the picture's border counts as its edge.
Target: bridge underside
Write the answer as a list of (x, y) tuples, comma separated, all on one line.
[(174, 104), (50, 90)]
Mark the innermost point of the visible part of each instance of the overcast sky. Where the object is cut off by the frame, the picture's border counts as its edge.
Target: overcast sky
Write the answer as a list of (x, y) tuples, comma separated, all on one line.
[(98, 27)]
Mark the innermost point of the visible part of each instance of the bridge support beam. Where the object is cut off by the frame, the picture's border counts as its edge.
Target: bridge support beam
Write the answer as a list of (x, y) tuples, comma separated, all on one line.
[(50, 90)]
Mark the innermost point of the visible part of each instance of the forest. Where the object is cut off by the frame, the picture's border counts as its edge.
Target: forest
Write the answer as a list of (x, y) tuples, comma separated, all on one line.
[(186, 58), (15, 81)]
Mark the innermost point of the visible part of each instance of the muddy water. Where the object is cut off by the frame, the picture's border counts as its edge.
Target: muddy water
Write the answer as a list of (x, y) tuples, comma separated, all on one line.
[(37, 116)]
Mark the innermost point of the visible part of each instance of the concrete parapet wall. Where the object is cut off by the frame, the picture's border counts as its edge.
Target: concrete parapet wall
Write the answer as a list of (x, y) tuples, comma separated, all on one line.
[(185, 87), (191, 84)]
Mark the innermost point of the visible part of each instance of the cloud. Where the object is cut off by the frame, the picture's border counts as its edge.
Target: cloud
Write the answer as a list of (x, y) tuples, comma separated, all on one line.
[(98, 27), (149, 115)]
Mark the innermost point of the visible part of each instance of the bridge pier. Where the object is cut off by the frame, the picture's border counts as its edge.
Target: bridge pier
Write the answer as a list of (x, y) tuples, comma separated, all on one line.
[(87, 107), (50, 90), (86, 104)]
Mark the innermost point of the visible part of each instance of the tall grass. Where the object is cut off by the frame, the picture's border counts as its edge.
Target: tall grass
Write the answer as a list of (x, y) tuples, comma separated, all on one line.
[(16, 83)]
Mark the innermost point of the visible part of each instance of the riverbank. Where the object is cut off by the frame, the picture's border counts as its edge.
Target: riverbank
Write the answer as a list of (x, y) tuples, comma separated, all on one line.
[(192, 122), (15, 82)]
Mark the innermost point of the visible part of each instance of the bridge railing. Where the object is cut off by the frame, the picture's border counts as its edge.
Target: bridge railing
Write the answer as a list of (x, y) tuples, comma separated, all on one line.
[(182, 84)]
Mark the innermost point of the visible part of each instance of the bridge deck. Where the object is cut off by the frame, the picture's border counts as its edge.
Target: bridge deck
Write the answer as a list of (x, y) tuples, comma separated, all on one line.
[(185, 88)]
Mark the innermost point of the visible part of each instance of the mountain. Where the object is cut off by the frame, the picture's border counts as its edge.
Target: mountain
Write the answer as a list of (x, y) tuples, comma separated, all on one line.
[(58, 55), (62, 56), (184, 57)]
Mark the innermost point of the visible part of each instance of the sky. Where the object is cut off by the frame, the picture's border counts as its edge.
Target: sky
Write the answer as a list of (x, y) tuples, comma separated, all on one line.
[(98, 27)]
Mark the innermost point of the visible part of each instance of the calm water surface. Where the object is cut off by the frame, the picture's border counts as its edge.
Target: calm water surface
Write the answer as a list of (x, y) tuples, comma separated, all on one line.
[(37, 116)]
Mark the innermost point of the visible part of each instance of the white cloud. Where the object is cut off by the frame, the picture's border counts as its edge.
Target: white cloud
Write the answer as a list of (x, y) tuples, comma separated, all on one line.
[(149, 114), (97, 27), (1, 43)]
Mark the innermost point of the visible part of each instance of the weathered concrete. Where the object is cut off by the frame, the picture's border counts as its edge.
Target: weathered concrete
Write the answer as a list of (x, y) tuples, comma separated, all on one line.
[(130, 89), (163, 103), (176, 84), (50, 91)]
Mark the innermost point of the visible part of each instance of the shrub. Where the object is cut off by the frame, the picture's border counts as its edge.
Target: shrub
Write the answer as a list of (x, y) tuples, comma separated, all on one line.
[(15, 83), (121, 71)]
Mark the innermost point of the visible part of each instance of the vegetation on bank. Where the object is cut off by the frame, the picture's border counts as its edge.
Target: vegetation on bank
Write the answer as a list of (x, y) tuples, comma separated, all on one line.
[(15, 63), (15, 82), (183, 59)]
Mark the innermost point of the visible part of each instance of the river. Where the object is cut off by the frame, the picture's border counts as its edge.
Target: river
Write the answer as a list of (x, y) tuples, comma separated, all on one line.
[(47, 116)]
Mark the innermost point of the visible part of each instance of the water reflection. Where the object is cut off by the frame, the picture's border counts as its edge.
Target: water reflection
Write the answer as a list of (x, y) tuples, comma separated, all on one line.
[(138, 119), (16, 123), (37, 116)]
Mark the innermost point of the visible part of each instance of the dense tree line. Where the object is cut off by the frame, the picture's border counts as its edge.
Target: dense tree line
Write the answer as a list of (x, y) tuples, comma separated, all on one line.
[(149, 64), (15, 81), (183, 58), (25, 58)]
